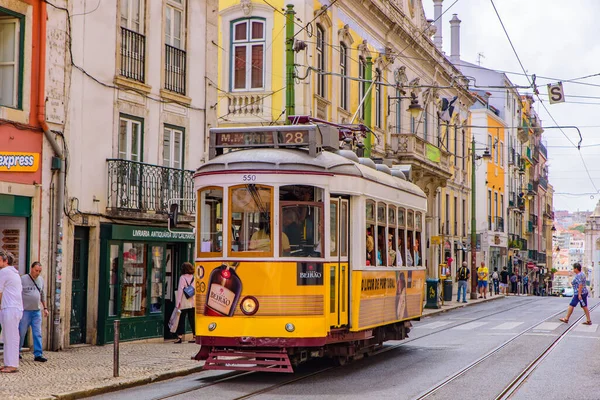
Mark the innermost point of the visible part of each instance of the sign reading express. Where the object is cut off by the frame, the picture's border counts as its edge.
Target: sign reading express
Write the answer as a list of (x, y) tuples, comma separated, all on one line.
[(19, 162)]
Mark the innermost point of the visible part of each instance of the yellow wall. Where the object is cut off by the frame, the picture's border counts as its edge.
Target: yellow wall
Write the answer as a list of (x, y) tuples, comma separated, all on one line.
[(495, 172)]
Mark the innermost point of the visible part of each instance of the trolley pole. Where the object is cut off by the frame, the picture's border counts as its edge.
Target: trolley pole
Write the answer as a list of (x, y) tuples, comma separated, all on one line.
[(473, 226), (290, 95), (368, 82)]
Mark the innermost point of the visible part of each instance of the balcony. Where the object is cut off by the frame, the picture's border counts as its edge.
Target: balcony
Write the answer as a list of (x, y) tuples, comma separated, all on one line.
[(548, 213), (532, 254), (544, 151), (133, 55), (541, 258), (536, 153), (499, 224), (544, 182), (175, 69), (512, 200), (428, 161), (146, 188), (248, 106), (511, 156)]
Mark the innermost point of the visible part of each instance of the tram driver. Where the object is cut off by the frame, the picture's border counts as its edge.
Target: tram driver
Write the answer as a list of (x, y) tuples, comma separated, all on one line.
[(261, 240)]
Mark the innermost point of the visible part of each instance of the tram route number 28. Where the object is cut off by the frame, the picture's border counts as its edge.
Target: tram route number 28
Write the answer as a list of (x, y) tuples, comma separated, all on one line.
[(249, 178)]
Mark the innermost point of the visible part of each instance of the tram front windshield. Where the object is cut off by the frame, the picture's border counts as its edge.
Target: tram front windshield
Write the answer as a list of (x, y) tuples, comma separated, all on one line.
[(301, 214)]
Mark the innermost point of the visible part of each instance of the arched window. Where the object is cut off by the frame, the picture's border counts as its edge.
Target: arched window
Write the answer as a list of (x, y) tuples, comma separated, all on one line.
[(343, 76), (321, 61)]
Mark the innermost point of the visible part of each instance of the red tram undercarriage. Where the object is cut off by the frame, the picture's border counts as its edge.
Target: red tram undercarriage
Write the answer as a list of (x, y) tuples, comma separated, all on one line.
[(282, 354)]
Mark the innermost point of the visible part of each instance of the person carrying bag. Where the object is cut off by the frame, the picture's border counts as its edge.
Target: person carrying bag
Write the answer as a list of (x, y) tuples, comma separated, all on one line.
[(186, 301)]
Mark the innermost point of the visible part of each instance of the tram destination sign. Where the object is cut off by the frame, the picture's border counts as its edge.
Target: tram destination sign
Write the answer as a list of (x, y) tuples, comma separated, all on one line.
[(261, 138), (312, 136)]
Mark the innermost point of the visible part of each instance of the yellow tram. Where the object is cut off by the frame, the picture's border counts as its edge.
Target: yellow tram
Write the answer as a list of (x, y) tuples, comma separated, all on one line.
[(302, 250)]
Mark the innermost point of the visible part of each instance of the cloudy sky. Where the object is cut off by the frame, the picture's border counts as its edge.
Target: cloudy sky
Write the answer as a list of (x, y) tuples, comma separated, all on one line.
[(557, 41)]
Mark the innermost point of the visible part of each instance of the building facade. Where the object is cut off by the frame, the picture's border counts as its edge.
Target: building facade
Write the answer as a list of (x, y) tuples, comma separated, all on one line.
[(141, 95), (356, 63)]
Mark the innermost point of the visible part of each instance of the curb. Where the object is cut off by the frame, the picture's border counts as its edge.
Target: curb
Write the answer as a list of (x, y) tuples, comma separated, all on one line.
[(441, 310), (78, 394)]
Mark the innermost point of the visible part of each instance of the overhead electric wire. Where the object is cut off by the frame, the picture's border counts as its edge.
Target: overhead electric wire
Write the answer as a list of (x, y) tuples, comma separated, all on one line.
[(539, 98)]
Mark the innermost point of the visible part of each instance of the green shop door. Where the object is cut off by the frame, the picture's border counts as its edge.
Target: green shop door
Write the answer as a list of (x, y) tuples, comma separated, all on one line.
[(79, 285)]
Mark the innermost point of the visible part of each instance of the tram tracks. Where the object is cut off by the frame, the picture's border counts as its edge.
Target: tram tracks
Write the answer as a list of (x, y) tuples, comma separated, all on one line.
[(514, 385), (278, 385)]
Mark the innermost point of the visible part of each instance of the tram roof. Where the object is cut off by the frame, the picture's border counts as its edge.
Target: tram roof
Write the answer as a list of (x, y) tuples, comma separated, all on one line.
[(299, 159)]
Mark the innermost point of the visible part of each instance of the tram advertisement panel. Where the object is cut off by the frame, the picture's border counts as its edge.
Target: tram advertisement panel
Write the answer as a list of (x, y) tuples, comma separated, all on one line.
[(228, 289), (386, 297)]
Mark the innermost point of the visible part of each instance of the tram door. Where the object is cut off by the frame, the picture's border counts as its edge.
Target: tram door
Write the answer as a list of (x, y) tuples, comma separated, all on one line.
[(339, 269)]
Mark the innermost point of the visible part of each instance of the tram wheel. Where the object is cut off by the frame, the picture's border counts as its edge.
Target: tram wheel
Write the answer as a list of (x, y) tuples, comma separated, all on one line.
[(340, 361)]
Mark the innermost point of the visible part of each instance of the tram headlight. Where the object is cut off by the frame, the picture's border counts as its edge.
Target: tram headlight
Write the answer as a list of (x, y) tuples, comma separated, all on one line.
[(212, 326), (249, 305), (290, 327)]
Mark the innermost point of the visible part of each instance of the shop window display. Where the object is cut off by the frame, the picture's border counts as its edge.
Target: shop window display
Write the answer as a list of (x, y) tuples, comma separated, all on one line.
[(134, 280)]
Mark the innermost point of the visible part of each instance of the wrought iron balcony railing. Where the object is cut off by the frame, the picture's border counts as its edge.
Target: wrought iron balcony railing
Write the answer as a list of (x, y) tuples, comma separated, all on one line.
[(133, 55), (175, 69), (140, 187)]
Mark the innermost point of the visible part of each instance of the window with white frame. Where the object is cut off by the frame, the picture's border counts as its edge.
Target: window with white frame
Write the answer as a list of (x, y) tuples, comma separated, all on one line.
[(248, 54), (173, 147), (378, 99), (130, 138), (175, 23), (10, 56), (343, 76), (362, 85), (132, 15), (321, 62)]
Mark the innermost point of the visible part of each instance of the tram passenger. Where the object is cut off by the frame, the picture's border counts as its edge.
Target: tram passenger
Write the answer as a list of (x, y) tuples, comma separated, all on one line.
[(399, 260), (391, 252), (409, 259), (291, 228), (370, 246), (261, 240)]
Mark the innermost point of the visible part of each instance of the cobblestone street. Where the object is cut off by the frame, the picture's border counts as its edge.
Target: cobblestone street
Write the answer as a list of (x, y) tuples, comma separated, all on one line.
[(85, 369)]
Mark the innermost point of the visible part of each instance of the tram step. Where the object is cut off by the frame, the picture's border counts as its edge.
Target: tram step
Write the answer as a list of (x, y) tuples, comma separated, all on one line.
[(243, 360)]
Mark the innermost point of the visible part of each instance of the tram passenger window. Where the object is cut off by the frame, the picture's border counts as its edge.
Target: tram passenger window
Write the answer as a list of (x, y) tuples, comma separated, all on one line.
[(344, 228), (333, 228), (301, 216), (410, 239), (370, 230), (401, 255), (391, 237), (382, 254), (210, 207), (251, 221), (417, 248)]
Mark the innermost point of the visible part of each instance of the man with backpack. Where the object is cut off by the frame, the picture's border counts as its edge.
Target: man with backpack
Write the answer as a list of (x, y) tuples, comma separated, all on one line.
[(462, 277), (495, 281)]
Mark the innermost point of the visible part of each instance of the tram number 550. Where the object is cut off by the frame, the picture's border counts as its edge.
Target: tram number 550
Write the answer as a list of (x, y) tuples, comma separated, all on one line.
[(249, 178)]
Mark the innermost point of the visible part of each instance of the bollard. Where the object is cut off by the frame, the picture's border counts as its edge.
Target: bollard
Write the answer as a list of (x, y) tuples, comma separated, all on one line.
[(116, 349)]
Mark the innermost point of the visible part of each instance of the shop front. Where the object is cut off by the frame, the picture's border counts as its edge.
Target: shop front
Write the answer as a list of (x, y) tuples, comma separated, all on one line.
[(139, 271), (15, 222)]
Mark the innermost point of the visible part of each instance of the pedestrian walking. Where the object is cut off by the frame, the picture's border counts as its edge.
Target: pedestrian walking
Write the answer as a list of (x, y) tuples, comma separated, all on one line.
[(536, 287), (514, 277), (504, 281), (33, 298), (496, 281), (525, 285), (579, 296), (482, 277), (11, 311), (186, 301), (462, 277)]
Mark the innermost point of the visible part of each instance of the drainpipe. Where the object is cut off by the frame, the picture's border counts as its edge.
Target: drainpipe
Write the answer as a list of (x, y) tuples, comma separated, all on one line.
[(56, 261), (290, 95), (368, 79)]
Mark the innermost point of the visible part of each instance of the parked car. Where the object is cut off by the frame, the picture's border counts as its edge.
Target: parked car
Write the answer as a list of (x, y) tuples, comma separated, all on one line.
[(568, 292)]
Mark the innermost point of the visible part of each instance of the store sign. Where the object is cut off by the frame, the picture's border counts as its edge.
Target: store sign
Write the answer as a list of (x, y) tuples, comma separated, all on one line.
[(19, 162), (144, 233)]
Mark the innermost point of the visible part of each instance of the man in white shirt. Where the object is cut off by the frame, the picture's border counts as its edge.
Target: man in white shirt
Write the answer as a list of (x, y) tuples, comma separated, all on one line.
[(11, 305)]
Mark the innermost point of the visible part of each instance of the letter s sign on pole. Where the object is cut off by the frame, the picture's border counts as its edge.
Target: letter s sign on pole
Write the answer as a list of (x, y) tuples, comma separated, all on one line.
[(556, 93)]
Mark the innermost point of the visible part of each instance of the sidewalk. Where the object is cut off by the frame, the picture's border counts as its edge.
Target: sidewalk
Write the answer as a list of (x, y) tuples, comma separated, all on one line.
[(88, 370), (451, 305)]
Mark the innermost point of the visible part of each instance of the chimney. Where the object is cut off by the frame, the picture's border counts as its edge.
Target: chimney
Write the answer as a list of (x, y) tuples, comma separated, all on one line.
[(437, 15), (455, 39)]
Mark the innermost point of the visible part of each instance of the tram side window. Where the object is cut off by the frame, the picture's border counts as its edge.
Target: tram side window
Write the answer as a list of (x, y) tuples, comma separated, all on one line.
[(401, 256), (250, 216), (391, 236), (301, 214), (370, 229), (409, 238), (418, 244), (381, 235), (210, 207), (333, 228)]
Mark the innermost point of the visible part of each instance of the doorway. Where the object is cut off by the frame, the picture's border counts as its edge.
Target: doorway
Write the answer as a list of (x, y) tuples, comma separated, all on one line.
[(79, 286)]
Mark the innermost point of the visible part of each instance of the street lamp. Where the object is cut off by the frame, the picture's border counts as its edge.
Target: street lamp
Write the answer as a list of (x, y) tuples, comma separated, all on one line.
[(414, 108), (474, 157)]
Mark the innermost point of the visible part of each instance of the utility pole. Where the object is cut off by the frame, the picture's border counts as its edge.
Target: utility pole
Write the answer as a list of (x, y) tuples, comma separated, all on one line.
[(290, 95), (368, 80), (473, 226)]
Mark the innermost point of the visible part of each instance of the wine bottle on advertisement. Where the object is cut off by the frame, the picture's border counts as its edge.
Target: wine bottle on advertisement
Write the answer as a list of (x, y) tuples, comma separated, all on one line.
[(224, 290)]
